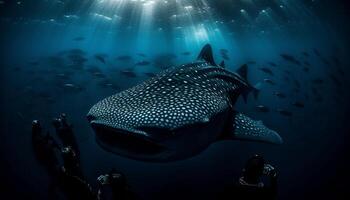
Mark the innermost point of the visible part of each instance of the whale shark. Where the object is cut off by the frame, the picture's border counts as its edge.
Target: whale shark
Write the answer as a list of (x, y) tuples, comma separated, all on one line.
[(178, 113)]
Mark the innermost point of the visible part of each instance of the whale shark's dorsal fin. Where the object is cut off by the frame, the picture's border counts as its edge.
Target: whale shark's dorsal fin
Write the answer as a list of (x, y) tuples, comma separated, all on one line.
[(243, 71), (206, 54)]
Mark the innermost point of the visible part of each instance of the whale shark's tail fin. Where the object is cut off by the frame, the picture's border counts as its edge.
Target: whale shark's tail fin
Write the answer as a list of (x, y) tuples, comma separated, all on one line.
[(243, 73), (245, 128)]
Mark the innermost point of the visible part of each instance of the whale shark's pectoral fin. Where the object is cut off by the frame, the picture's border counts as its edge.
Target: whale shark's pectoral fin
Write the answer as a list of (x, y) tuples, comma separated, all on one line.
[(245, 128)]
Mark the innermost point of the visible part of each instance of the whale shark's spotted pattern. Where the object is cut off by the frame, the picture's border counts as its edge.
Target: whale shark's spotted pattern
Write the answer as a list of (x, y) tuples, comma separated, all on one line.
[(179, 97)]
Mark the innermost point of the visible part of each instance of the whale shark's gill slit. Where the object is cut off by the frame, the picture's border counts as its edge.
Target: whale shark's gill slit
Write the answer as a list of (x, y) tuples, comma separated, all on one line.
[(114, 140)]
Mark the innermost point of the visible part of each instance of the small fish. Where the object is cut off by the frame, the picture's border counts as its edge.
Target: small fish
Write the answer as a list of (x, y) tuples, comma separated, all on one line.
[(142, 55), (325, 61), (269, 81), (99, 75), (16, 69), (143, 63), (20, 115), (335, 80), (306, 54), (62, 76), (285, 112), (297, 83), (104, 83), (272, 64), (72, 87), (319, 99), (318, 81), (290, 59), (76, 52), (124, 58), (296, 90), (262, 108), (34, 63), (267, 71), (77, 59), (93, 69), (78, 39), (223, 51), (286, 78), (128, 73), (307, 63), (315, 91), (298, 104), (287, 72), (69, 85), (280, 95), (317, 53), (100, 58), (251, 63)]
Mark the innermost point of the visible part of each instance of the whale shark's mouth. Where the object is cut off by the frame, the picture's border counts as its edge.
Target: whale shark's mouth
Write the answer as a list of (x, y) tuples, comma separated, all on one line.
[(125, 142)]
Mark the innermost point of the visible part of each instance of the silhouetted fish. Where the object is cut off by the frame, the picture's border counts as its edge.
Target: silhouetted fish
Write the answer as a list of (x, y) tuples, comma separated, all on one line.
[(101, 58), (280, 95), (70, 87), (223, 51), (99, 75), (318, 81), (124, 58), (262, 108), (272, 64), (63, 76), (34, 63), (297, 83), (251, 63), (290, 59), (128, 73), (142, 55), (287, 72), (266, 70), (335, 80), (285, 112), (143, 63), (76, 52), (319, 99), (78, 39), (93, 69), (269, 81), (76, 59), (306, 54), (307, 63), (298, 104), (317, 53)]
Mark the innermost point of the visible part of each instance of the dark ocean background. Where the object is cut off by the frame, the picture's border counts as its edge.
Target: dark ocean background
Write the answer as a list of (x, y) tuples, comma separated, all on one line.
[(64, 56)]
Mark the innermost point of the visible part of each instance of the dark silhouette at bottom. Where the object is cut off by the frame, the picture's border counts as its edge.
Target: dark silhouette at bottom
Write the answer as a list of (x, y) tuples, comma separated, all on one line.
[(62, 162)]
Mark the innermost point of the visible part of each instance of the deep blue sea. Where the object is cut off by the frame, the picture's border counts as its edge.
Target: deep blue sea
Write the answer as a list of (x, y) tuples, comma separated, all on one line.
[(63, 56)]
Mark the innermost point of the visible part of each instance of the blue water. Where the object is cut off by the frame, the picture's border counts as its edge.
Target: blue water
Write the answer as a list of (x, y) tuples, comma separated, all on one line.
[(312, 159)]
